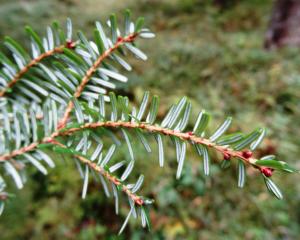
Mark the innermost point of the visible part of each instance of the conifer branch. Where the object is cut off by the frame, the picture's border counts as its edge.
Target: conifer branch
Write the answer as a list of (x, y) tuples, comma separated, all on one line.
[(63, 121), (113, 179), (31, 64), (59, 106), (20, 151), (138, 200), (186, 136), (91, 71)]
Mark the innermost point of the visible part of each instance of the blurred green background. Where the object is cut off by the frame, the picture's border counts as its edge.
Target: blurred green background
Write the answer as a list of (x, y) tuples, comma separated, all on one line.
[(216, 58)]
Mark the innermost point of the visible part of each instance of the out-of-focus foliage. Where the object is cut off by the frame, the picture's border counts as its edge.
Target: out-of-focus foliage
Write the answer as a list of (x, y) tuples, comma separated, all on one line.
[(216, 58)]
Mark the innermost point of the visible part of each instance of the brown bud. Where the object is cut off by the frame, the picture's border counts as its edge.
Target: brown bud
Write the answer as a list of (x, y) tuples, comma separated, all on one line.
[(70, 44), (247, 154), (227, 156), (267, 171)]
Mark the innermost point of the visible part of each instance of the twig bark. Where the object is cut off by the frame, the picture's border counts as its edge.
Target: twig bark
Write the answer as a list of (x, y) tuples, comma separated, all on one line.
[(187, 136)]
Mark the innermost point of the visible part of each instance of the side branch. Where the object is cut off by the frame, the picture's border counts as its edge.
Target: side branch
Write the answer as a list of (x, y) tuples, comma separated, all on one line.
[(77, 94), (20, 151), (31, 64), (187, 136), (28, 148), (135, 198), (113, 179), (89, 74)]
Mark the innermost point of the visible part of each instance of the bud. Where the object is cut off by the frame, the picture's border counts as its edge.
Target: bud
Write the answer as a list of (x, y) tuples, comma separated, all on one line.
[(247, 154), (139, 201), (267, 171), (70, 44), (226, 156)]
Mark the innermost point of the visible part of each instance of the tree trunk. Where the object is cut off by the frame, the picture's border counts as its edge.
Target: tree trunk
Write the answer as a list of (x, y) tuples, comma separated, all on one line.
[(224, 3), (284, 27)]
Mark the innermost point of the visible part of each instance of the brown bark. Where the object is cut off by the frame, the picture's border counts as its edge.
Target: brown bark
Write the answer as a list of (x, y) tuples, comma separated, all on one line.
[(224, 3), (284, 26)]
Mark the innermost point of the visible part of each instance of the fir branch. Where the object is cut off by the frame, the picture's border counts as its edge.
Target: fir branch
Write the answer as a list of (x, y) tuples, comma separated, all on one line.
[(21, 151), (91, 71), (138, 200), (186, 136), (59, 108), (31, 64), (113, 179), (88, 75), (84, 81)]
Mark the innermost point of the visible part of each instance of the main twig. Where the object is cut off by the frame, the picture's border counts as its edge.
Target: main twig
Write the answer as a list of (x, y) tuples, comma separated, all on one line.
[(187, 136)]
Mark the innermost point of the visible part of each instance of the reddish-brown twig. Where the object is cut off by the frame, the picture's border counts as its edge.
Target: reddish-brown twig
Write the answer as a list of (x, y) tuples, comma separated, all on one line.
[(187, 136), (113, 179)]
